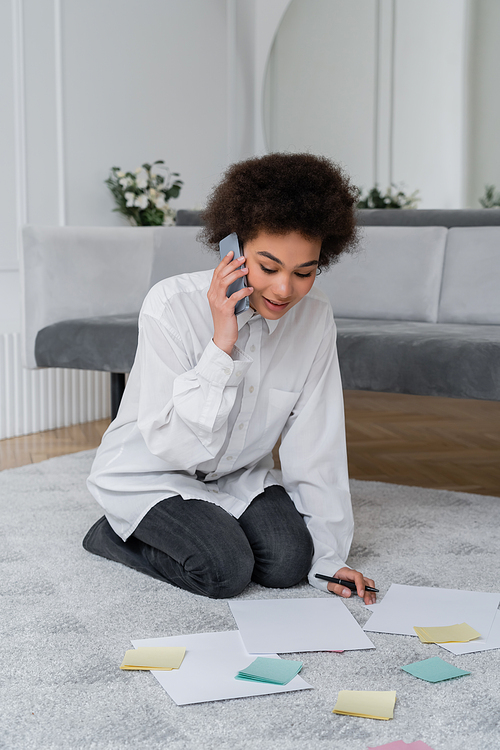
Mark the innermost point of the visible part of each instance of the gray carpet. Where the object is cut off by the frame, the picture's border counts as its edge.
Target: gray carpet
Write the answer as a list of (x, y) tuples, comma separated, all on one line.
[(67, 618)]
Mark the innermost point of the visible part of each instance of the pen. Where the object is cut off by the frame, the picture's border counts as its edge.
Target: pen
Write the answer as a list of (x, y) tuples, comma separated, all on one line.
[(348, 584)]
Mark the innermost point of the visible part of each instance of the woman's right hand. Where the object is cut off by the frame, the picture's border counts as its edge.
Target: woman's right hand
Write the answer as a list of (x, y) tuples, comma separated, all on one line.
[(222, 307)]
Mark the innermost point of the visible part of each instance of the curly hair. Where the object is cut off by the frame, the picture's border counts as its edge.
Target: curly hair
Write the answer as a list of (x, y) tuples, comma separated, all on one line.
[(280, 193)]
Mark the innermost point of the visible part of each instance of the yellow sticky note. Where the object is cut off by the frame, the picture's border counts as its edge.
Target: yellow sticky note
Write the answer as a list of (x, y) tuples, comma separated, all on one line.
[(369, 704), (161, 657), (422, 634), (461, 633)]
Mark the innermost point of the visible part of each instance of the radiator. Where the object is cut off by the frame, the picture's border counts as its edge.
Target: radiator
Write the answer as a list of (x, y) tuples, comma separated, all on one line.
[(38, 400)]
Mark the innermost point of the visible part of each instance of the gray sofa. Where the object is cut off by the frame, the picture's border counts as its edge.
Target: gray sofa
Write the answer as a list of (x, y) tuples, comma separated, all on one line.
[(417, 306)]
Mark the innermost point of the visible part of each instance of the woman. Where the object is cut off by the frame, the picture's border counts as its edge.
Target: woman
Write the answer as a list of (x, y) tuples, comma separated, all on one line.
[(185, 471)]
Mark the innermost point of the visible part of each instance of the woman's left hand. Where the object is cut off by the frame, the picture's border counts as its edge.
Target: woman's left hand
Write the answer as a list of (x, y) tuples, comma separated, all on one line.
[(348, 574)]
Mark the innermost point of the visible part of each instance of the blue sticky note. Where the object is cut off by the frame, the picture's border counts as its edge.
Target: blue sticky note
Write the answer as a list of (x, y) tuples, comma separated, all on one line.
[(275, 671), (434, 670)]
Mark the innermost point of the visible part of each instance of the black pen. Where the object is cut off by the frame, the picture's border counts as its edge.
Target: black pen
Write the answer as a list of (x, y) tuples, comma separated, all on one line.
[(348, 584)]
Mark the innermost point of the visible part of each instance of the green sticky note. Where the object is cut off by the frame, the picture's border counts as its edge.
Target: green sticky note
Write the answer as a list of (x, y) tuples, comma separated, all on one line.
[(275, 671), (434, 670)]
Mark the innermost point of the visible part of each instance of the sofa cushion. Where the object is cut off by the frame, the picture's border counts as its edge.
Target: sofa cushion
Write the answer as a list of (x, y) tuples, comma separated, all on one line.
[(396, 274), (106, 342), (453, 360), (471, 277)]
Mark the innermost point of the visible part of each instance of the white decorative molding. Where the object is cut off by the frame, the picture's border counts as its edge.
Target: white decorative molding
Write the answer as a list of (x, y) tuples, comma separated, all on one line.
[(465, 123), (384, 93), (61, 178), (19, 114), (232, 62), (268, 16)]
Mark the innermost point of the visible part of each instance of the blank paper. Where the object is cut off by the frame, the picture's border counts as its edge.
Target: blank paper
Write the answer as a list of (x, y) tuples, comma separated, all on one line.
[(211, 662), (296, 625), (405, 606)]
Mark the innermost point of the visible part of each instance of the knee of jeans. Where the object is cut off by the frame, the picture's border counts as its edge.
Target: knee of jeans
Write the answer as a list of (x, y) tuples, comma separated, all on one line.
[(224, 577), (286, 568)]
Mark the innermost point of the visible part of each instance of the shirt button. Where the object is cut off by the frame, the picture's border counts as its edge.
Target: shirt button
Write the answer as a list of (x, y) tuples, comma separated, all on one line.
[(229, 458), (226, 371), (252, 348), (241, 426), (238, 374), (251, 389)]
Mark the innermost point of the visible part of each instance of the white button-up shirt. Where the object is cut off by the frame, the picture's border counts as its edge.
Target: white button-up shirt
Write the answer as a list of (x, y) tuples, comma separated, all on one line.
[(199, 423)]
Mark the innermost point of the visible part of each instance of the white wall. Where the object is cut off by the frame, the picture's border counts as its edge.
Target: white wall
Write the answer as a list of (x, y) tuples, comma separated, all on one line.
[(139, 80), (380, 85), (377, 85)]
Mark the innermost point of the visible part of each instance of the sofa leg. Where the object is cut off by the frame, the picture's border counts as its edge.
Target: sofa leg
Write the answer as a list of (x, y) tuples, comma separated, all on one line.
[(117, 388)]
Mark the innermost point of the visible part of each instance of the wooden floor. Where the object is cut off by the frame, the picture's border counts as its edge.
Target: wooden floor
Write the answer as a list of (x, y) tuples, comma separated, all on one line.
[(412, 440), (424, 441)]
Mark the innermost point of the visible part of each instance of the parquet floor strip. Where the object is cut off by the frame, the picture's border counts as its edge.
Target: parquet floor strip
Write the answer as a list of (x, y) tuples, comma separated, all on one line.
[(411, 440), (427, 442)]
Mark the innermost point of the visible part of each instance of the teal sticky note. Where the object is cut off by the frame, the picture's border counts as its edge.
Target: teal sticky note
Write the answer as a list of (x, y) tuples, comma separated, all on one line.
[(434, 670), (275, 671)]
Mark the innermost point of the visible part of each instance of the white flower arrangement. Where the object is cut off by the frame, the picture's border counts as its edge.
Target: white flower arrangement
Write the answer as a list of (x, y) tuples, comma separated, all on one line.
[(142, 195)]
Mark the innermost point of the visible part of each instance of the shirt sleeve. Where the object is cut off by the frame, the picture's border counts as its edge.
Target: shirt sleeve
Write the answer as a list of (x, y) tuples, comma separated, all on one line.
[(184, 405), (314, 462)]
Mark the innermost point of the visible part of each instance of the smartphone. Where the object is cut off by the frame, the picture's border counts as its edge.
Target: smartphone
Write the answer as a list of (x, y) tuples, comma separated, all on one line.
[(231, 242)]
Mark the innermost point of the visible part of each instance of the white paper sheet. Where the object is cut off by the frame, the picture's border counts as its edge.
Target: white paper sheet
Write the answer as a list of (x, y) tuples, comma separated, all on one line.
[(479, 644), (207, 673), (288, 626), (403, 607)]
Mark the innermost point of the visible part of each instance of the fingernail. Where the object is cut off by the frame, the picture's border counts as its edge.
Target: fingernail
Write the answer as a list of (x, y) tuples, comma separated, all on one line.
[(345, 592)]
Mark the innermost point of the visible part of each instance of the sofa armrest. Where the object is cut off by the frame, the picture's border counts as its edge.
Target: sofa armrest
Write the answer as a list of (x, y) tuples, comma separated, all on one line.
[(81, 272)]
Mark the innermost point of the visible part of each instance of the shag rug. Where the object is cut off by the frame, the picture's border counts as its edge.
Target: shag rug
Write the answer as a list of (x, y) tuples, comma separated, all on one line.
[(67, 618)]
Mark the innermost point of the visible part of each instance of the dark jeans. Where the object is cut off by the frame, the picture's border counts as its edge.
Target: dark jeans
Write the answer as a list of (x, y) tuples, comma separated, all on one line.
[(200, 547)]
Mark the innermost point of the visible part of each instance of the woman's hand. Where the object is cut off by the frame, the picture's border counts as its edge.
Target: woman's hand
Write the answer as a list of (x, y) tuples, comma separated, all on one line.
[(347, 574), (222, 307)]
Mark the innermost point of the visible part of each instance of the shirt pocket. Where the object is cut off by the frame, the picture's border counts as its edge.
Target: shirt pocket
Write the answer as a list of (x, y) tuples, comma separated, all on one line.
[(280, 406)]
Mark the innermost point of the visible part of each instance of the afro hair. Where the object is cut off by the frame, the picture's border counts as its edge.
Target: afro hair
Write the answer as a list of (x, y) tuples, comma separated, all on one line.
[(281, 193)]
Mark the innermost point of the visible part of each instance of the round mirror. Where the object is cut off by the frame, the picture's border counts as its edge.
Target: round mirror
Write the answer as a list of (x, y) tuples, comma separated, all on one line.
[(399, 91), (320, 83)]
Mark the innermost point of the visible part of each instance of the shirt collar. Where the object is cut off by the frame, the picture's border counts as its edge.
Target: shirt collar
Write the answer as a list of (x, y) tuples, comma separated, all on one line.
[(246, 316)]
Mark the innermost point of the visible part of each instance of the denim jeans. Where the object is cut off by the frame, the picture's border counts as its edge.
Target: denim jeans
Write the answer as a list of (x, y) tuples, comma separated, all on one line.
[(198, 546)]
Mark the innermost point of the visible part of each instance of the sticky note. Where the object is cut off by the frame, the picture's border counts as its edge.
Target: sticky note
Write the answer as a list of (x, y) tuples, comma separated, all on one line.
[(434, 670), (160, 657), (462, 633), (369, 704), (400, 745), (275, 671)]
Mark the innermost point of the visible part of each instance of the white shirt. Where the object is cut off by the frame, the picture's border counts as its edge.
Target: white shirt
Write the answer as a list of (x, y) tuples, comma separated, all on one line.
[(199, 423)]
